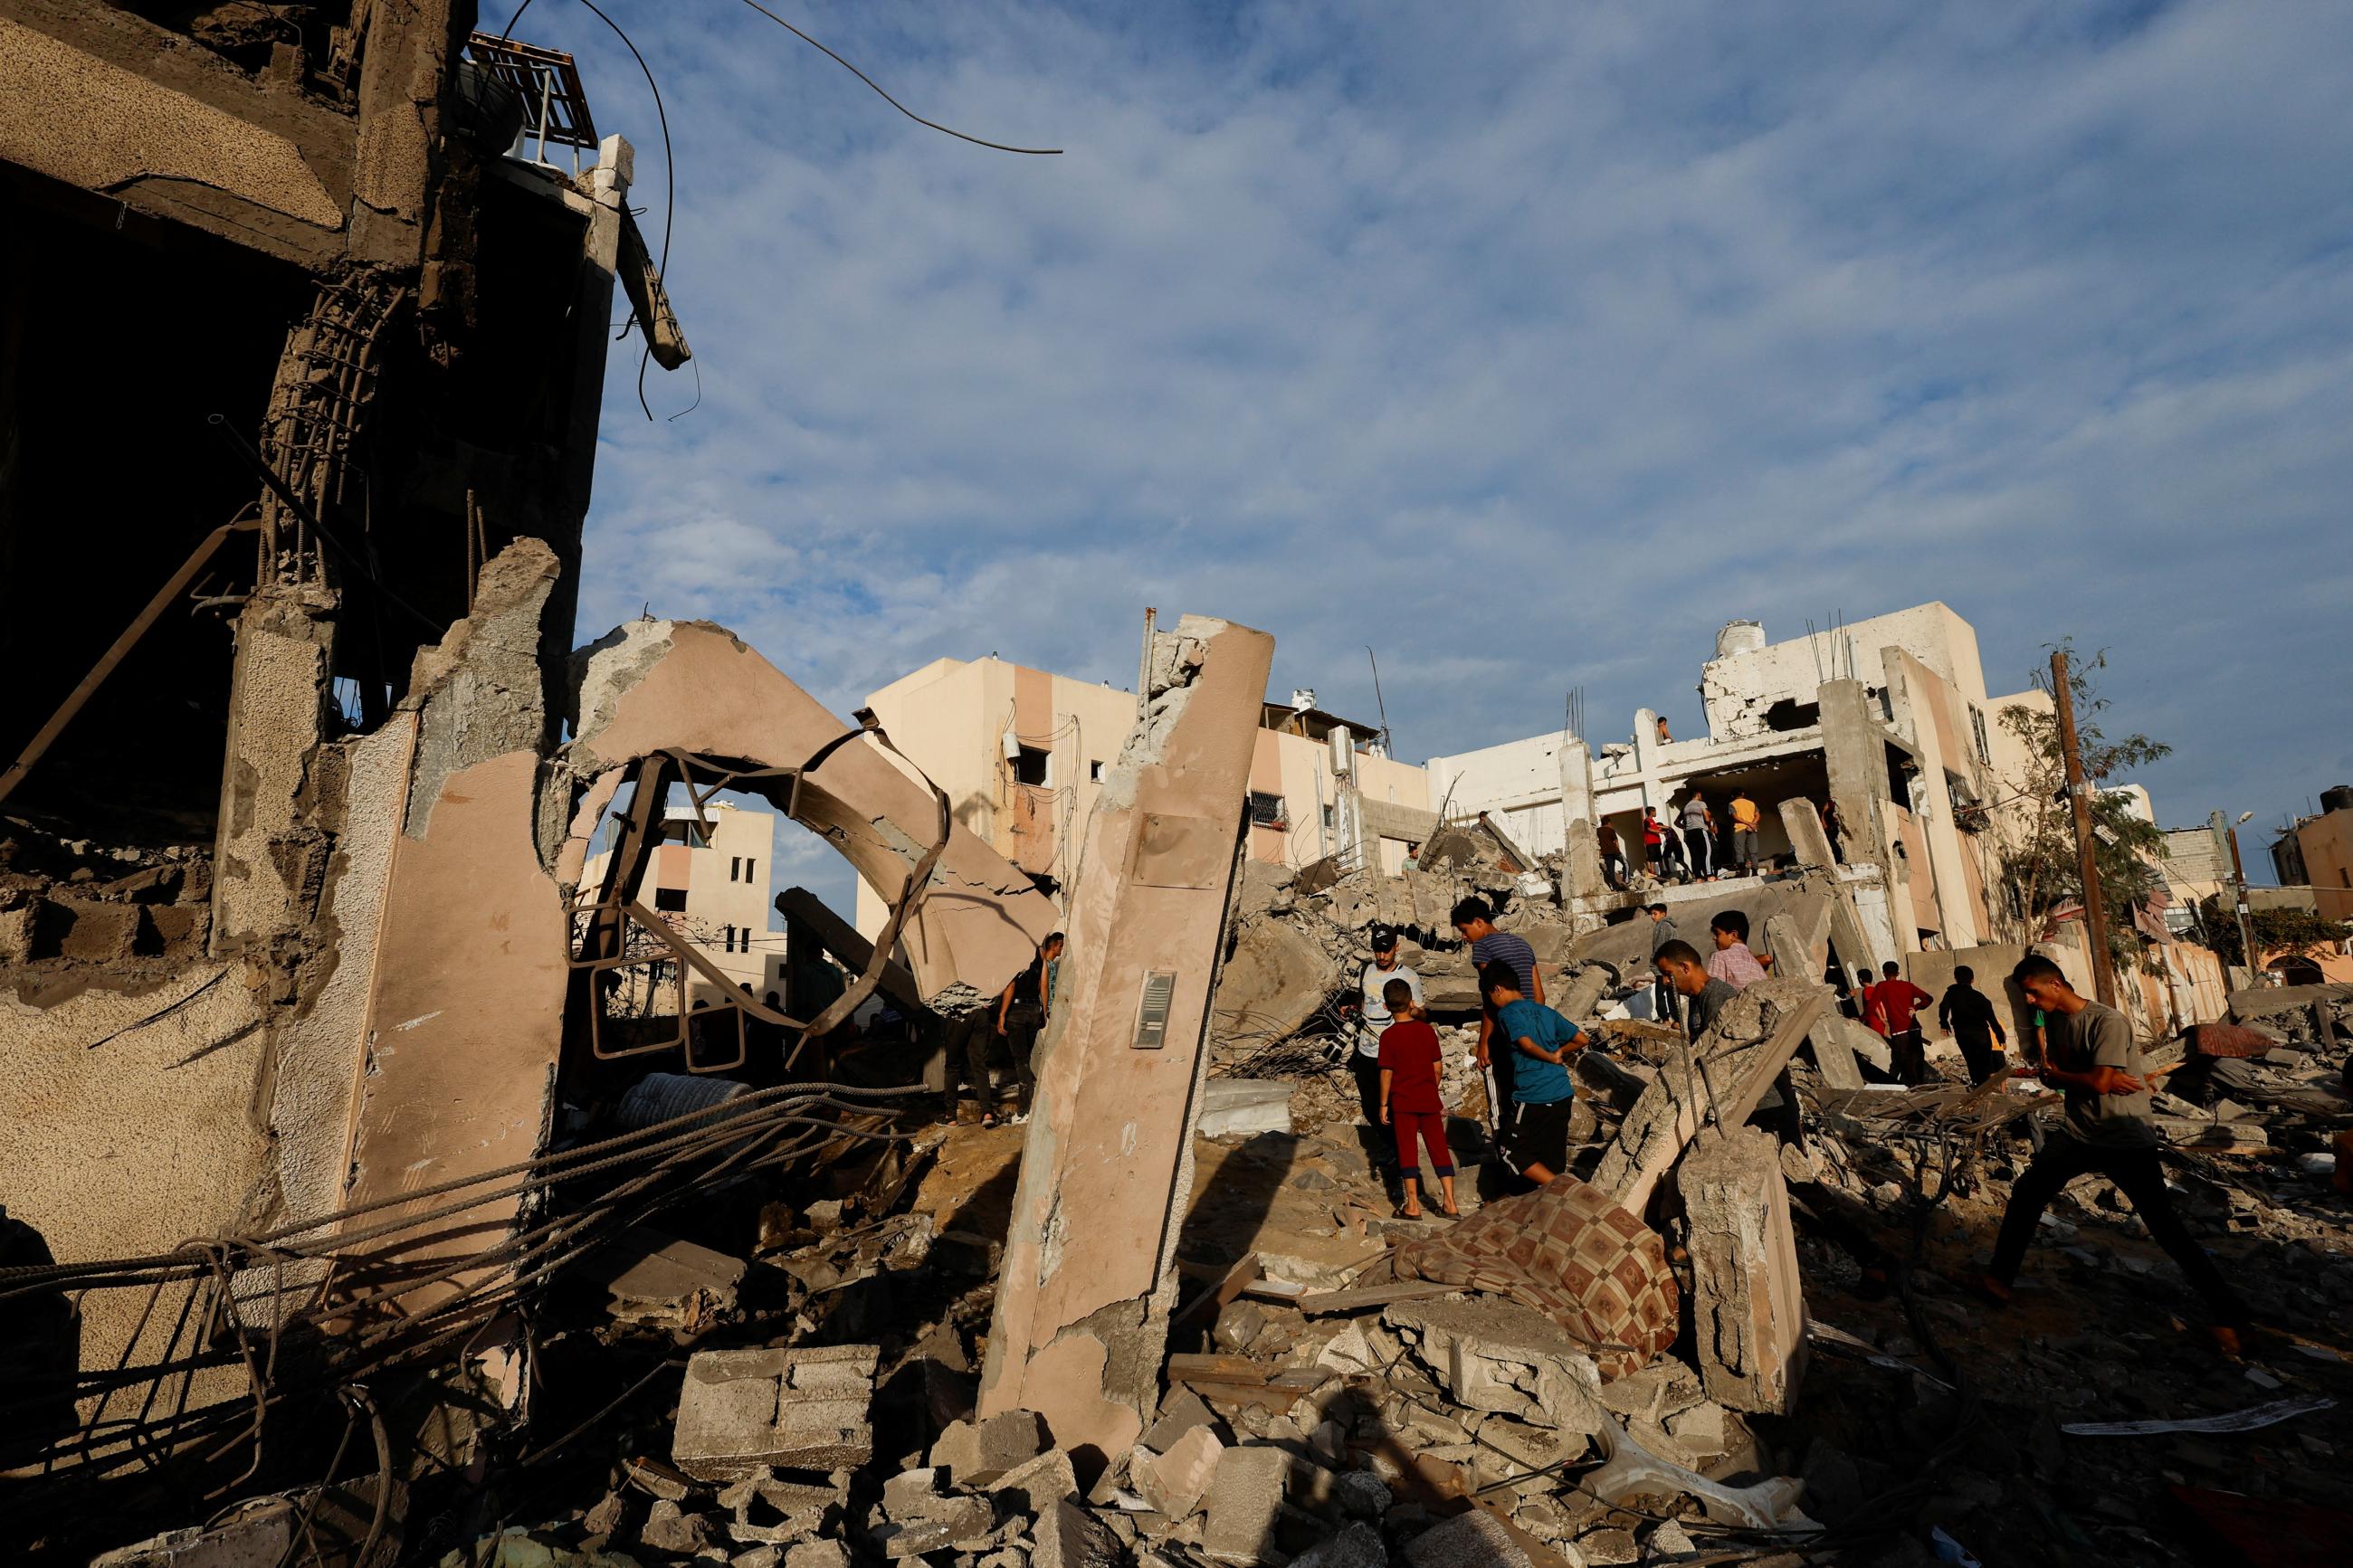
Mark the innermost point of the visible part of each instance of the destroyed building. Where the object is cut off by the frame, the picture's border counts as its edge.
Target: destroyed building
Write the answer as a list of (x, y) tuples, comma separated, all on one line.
[(377, 1191)]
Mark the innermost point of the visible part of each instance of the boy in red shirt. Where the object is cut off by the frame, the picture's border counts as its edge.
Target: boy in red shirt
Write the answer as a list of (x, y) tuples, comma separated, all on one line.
[(1410, 1106)]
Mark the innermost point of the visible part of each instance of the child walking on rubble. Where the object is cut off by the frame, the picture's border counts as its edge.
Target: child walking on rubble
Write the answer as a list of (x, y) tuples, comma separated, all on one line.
[(1412, 1106), (2106, 1128), (1541, 1040)]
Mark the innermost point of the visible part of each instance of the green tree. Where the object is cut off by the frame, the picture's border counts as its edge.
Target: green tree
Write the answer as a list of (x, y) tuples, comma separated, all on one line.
[(2038, 852), (2275, 931)]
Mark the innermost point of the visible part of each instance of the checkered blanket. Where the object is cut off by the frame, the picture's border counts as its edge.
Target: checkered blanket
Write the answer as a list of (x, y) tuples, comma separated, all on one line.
[(1569, 1252)]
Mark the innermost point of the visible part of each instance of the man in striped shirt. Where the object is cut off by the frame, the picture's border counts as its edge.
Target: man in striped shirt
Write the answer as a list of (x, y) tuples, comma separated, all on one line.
[(1476, 924)]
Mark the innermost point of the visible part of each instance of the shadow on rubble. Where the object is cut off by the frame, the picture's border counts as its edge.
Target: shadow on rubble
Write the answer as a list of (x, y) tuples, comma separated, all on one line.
[(1227, 1213)]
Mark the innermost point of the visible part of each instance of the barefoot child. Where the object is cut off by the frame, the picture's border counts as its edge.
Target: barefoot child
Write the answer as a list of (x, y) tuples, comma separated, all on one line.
[(1410, 1101)]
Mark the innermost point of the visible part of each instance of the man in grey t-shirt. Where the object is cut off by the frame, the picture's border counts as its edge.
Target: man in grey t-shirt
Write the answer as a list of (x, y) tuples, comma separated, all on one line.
[(2090, 1056), (1372, 1011), (1663, 997)]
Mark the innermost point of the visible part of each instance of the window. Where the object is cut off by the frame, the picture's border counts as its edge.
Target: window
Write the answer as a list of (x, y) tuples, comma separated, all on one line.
[(1094, 771), (1267, 810), (1029, 767), (727, 938), (671, 900), (736, 867), (751, 865), (1977, 726), (1331, 817)]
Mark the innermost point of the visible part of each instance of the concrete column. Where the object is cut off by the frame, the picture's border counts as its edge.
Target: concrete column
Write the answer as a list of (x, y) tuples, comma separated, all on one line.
[(1854, 755), (1088, 1282), (1581, 873), (1747, 1304), (1807, 840)]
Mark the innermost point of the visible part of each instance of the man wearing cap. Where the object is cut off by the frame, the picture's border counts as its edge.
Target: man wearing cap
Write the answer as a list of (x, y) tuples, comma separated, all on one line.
[(1373, 1017)]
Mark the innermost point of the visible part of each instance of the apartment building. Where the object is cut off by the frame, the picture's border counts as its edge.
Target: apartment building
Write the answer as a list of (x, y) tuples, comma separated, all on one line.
[(709, 882)]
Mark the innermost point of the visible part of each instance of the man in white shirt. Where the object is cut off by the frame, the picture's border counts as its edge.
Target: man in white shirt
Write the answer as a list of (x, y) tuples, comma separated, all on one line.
[(1372, 1013)]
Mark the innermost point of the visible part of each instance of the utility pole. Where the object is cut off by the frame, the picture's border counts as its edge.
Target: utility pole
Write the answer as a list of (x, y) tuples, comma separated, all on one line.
[(2079, 800), (2238, 877)]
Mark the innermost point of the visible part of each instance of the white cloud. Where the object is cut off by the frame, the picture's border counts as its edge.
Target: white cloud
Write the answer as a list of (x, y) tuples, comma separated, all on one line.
[(1526, 343)]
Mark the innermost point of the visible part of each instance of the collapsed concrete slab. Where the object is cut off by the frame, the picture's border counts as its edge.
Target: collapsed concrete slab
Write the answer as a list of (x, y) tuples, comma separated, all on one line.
[(1088, 1279), (1499, 1355), (1748, 1305), (1717, 1079)]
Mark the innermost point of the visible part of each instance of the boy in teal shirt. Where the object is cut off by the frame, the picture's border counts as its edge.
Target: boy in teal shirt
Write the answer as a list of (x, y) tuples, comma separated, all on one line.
[(1541, 1039)]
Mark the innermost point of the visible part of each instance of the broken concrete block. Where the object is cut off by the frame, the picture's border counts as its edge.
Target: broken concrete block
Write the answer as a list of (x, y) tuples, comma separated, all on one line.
[(1066, 1536), (261, 1539), (1245, 1501), (816, 1554), (1244, 1107), (1747, 1300), (769, 1511), (1472, 1540), (1358, 1546), (101, 934), (1861, 1043), (976, 1454), (1529, 1447), (1173, 1482), (660, 1280), (1239, 1324), (952, 1521), (1038, 1484), (910, 1494), (1495, 1354), (668, 1528), (1180, 1411), (741, 1412), (1833, 1057), (1610, 1545)]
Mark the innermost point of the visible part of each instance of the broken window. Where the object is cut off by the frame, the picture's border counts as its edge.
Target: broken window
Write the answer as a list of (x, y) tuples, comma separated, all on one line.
[(683, 830), (1791, 714), (671, 901), (1268, 810), (1330, 818), (1094, 771), (1029, 767), (1978, 728)]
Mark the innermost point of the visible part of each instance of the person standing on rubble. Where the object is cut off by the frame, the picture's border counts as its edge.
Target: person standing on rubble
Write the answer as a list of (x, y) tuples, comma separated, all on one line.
[(1967, 1014), (1022, 1010), (1613, 856), (1410, 1062), (1703, 995), (1373, 1015), (1541, 1039), (1660, 845), (1832, 829), (1476, 924), (1889, 1007), (1746, 820), (2106, 1128), (1696, 825)]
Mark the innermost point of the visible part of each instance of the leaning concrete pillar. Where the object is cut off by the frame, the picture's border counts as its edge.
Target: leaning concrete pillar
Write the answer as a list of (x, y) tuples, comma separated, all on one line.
[(1083, 1302), (1748, 1308)]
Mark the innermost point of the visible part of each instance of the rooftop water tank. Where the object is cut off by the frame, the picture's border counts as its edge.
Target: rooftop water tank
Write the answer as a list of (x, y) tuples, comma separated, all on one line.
[(1739, 636), (2340, 799)]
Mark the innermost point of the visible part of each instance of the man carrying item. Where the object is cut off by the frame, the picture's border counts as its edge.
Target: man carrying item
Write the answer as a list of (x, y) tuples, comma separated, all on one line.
[(1476, 924), (1541, 1039), (1663, 991), (1373, 1016), (1746, 819), (2090, 1056), (1967, 1014), (1889, 1007)]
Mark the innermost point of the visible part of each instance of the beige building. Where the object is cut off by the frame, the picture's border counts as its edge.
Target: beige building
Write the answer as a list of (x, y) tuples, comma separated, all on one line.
[(2316, 852), (1021, 753), (713, 887)]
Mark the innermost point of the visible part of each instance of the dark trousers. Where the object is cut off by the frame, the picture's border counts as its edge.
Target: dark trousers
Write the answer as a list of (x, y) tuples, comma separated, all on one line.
[(1744, 848), (1501, 1106), (1368, 1095), (1666, 1002), (1978, 1049), (1911, 1052), (1695, 847), (981, 1044), (2137, 1175), (1613, 868)]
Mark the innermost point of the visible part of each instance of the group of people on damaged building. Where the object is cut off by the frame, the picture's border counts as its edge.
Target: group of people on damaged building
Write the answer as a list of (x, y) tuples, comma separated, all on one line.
[(2082, 1048), (1689, 845)]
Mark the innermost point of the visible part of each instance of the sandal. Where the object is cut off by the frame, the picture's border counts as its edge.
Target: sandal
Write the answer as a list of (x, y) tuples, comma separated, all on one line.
[(988, 1118)]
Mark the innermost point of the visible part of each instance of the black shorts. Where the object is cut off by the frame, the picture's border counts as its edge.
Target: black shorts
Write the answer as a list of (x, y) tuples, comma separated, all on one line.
[(1540, 1136)]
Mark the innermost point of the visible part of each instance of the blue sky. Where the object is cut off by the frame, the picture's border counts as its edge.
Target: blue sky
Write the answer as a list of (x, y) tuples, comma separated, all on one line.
[(1528, 343)]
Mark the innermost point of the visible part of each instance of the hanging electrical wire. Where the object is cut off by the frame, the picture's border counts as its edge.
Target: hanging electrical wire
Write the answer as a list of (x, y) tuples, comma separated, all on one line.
[(932, 124)]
